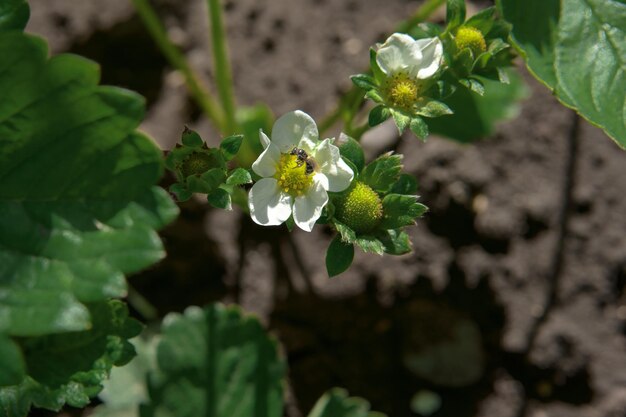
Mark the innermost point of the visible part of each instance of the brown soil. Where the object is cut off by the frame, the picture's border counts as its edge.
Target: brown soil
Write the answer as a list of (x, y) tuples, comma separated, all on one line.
[(524, 242)]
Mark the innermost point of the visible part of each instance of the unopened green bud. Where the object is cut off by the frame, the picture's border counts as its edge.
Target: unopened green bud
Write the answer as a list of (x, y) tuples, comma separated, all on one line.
[(360, 208), (472, 38)]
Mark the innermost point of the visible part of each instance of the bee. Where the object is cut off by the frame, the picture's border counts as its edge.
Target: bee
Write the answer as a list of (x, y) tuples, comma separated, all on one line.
[(303, 158)]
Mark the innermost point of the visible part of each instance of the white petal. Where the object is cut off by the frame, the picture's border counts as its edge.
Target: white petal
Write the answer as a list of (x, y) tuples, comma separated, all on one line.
[(333, 166), (291, 128), (432, 57), (265, 164), (265, 141), (398, 53), (269, 206), (308, 208)]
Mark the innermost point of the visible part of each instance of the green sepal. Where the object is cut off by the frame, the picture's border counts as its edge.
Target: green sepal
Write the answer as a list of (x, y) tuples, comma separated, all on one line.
[(425, 30), (482, 20), (291, 223), (379, 75), (339, 256), (419, 128), (347, 235), (503, 76), (375, 96), (406, 184), (465, 61), (402, 120), (378, 115), (474, 85), (353, 167), (364, 81), (220, 198), (497, 45), (383, 172), (230, 146), (370, 244), (207, 182), (239, 176), (400, 210), (396, 242), (191, 138), (455, 13), (434, 108), (351, 149), (180, 192)]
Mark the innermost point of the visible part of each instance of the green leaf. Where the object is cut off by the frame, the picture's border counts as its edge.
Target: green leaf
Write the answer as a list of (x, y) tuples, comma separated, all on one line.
[(400, 210), (473, 85), (11, 362), (378, 115), (578, 49), (351, 150), (483, 20), (191, 138), (455, 13), (406, 184), (370, 244), (363, 81), (230, 146), (434, 108), (70, 368), (339, 256), (396, 242), (220, 198), (402, 120), (239, 176), (14, 15), (78, 208), (207, 182), (383, 172), (216, 362), (336, 403), (475, 116), (419, 127)]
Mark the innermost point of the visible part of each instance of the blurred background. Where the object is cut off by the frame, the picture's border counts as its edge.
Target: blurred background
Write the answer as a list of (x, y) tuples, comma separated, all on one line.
[(513, 303)]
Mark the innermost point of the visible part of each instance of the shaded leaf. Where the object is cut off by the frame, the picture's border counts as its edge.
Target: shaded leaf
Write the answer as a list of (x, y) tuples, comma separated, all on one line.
[(220, 198), (363, 81), (339, 256), (406, 184), (230, 146), (396, 242), (455, 13), (13, 15), (378, 115), (215, 362)]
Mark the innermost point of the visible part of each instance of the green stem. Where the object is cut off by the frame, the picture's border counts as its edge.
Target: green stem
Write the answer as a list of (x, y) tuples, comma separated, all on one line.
[(178, 61), (223, 73), (420, 15)]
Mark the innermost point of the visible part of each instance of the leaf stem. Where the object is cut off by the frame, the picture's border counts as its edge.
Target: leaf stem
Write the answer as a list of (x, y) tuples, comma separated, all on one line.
[(221, 63), (177, 60)]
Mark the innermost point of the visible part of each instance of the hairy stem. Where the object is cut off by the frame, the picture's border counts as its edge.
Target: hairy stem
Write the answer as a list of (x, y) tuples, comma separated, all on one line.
[(177, 60), (221, 63)]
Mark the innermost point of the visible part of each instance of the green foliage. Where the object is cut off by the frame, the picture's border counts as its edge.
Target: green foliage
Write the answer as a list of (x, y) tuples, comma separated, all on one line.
[(336, 403), (230, 146), (78, 210), (13, 15), (383, 172), (351, 150), (251, 120), (339, 256), (455, 13), (215, 362), (401, 210), (476, 115), (70, 368), (578, 49)]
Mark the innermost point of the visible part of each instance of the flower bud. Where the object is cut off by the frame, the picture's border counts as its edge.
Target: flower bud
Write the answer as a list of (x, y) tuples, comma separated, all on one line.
[(360, 208)]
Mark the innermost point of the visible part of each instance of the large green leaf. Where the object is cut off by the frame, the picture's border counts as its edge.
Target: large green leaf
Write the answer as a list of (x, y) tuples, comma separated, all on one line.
[(13, 15), (77, 204), (336, 403), (216, 362), (475, 116), (578, 49), (70, 368), (78, 210)]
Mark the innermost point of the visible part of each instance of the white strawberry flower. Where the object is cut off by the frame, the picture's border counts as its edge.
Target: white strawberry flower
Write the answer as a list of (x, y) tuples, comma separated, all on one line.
[(298, 170)]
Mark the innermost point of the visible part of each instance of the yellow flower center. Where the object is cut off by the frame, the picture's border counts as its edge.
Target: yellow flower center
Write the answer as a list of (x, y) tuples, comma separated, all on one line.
[(401, 91), (291, 175), (360, 208), (472, 38)]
